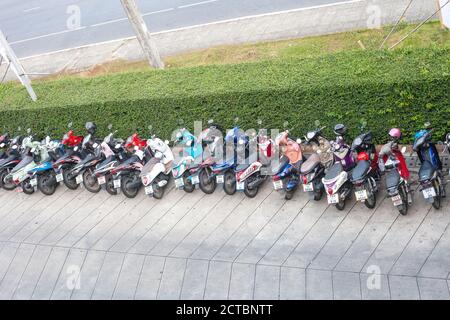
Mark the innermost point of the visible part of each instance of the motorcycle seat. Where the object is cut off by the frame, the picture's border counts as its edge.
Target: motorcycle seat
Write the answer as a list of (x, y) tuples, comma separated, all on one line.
[(6, 160), (426, 171), (312, 162), (25, 161), (333, 173), (392, 179), (360, 171)]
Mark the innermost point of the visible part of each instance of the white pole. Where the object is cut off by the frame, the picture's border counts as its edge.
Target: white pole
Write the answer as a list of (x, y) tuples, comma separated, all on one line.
[(142, 33), (10, 57)]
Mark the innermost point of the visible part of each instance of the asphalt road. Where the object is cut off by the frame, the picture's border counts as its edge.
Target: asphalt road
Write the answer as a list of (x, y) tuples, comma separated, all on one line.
[(35, 27)]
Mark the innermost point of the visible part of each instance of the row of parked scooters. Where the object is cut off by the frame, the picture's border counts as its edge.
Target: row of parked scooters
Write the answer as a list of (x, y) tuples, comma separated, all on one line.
[(240, 161)]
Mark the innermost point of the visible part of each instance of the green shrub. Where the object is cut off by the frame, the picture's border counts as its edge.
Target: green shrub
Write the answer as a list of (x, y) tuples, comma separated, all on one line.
[(401, 88)]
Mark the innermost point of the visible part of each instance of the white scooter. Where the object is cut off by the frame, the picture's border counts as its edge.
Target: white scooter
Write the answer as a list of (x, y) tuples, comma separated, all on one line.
[(155, 174)]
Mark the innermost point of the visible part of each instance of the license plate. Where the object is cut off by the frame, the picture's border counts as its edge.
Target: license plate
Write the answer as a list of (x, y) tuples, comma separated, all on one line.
[(361, 195), (397, 200), (195, 179), (333, 198), (117, 184), (33, 182), (179, 183), (79, 179), (429, 193), (149, 190), (308, 187), (59, 177), (101, 180), (220, 178), (240, 185), (277, 185)]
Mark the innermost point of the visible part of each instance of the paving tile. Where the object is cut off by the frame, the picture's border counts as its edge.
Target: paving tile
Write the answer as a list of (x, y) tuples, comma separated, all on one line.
[(403, 288), (319, 285), (172, 279), (218, 282), (433, 289), (267, 283), (150, 278), (242, 281), (374, 286), (109, 274), (292, 284), (89, 274), (194, 280), (346, 286), (129, 277)]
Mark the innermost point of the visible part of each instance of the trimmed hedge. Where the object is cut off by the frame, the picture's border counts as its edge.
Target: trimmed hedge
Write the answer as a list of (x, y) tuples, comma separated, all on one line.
[(401, 88)]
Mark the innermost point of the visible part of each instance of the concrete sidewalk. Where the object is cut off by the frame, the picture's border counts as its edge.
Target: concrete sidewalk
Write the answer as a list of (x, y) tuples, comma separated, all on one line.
[(79, 245), (297, 23)]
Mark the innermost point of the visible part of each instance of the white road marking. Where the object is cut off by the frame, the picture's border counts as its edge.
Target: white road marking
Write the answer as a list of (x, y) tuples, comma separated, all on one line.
[(31, 9), (47, 35), (181, 28), (196, 4), (159, 11), (107, 22)]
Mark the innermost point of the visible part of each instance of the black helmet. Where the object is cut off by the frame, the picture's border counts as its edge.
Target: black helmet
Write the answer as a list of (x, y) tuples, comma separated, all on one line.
[(340, 129), (90, 127)]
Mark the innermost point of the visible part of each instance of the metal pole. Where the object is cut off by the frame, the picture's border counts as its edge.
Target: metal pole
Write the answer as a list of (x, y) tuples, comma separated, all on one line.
[(142, 33), (416, 28), (6, 72), (395, 26)]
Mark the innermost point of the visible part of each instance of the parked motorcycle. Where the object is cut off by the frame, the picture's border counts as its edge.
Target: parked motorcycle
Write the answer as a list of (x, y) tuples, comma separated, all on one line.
[(113, 153), (155, 175), (4, 144), (43, 176), (431, 178), (83, 171), (33, 153), (313, 169), (366, 174), (126, 176), (288, 178), (337, 179), (188, 160), (12, 159), (392, 162)]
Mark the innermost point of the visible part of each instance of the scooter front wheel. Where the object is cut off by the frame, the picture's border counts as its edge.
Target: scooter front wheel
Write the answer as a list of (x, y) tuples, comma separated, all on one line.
[(229, 183)]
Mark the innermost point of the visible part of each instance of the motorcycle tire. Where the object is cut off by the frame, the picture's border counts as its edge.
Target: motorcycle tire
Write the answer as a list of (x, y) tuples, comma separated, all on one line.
[(188, 186), (206, 186), (251, 193), (437, 199), (70, 183), (43, 183), (90, 182), (158, 192), (289, 194), (127, 191), (403, 208), (109, 185), (26, 187), (340, 205), (10, 185), (318, 194), (229, 183)]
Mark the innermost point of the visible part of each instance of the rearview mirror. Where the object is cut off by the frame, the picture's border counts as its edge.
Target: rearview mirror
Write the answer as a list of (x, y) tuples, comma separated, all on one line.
[(299, 141)]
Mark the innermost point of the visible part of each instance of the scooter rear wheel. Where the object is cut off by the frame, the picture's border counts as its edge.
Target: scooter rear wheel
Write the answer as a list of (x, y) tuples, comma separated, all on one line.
[(437, 199), (128, 191), (207, 185), (229, 183), (43, 183), (109, 185), (188, 186), (70, 183), (403, 208), (158, 192), (340, 205), (251, 193), (7, 185), (26, 187), (90, 182)]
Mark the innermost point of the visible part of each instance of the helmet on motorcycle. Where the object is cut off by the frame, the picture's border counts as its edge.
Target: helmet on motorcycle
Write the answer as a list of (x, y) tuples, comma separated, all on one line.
[(340, 129), (90, 127), (395, 134)]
